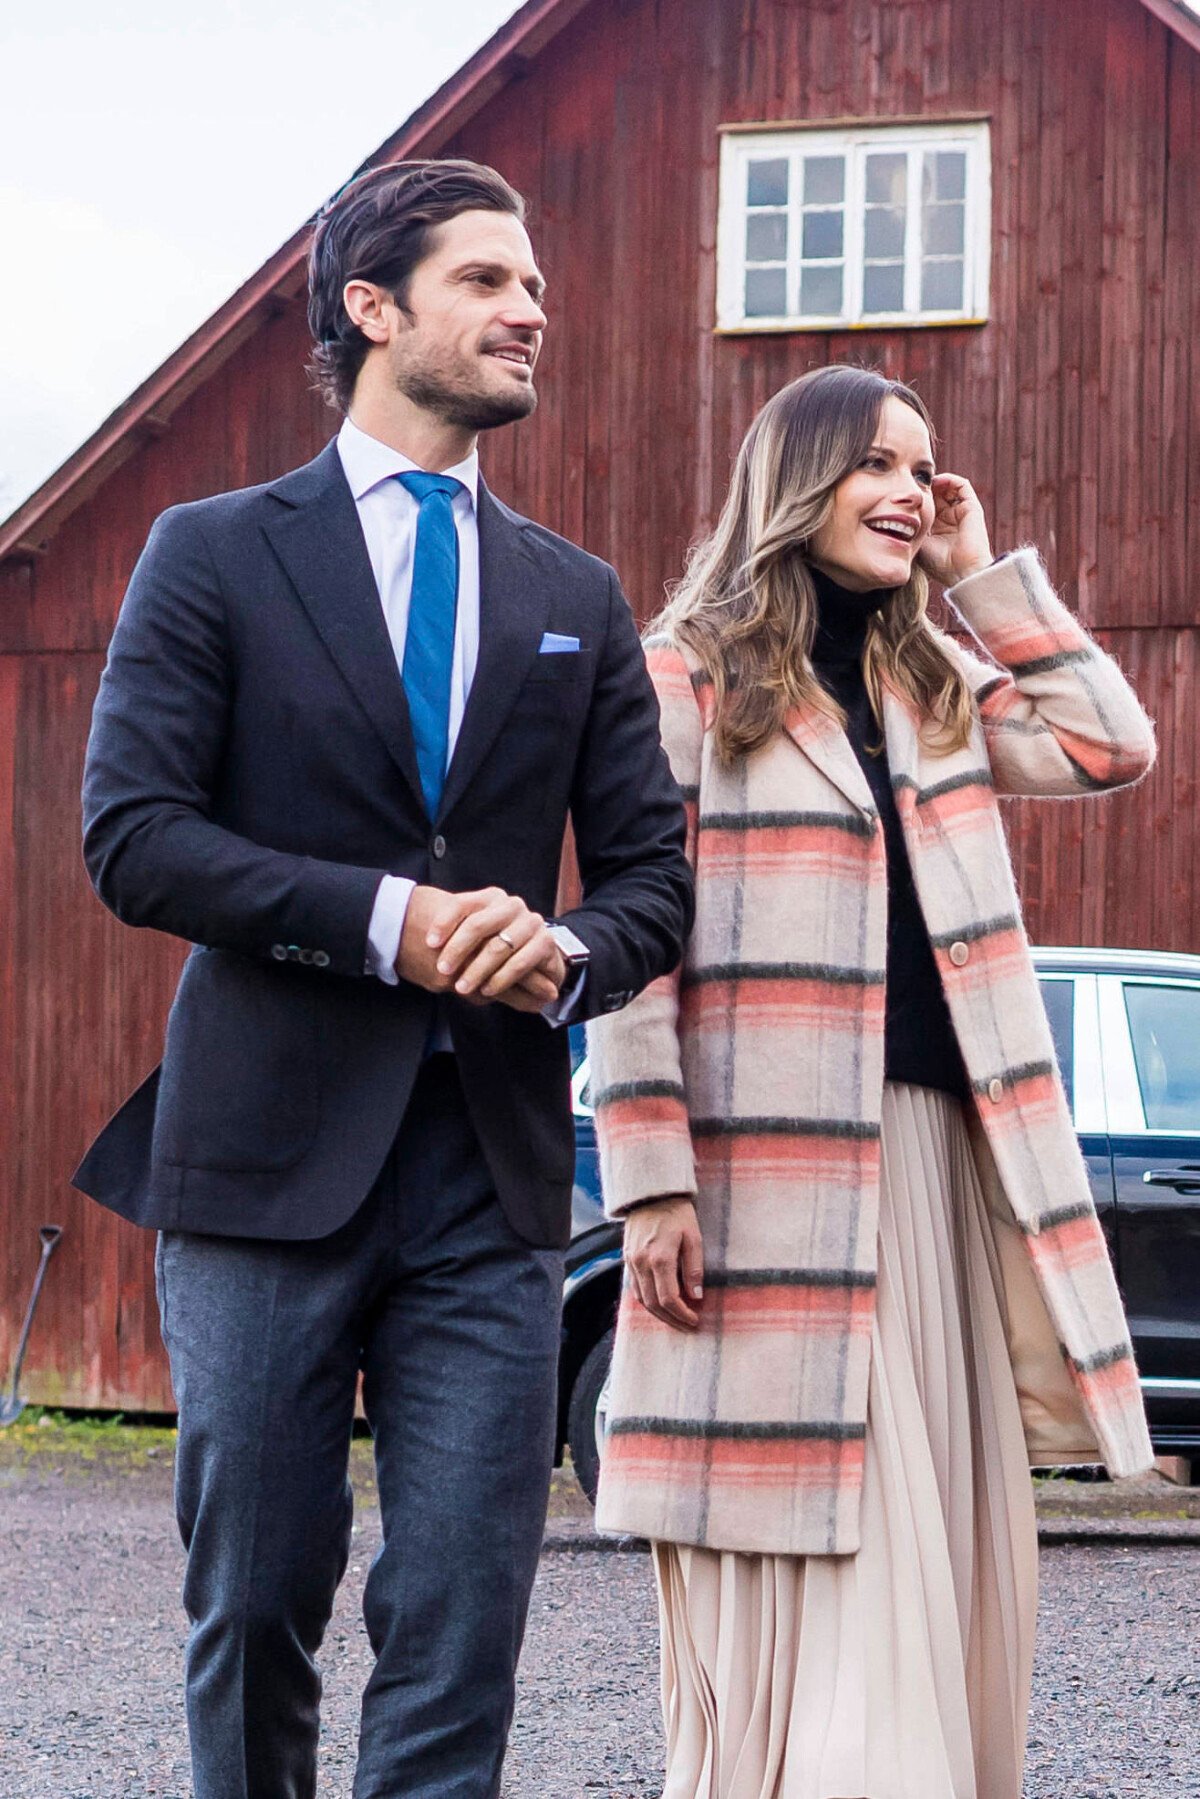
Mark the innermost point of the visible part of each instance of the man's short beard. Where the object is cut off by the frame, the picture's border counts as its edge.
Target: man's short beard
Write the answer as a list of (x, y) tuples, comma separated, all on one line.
[(468, 411)]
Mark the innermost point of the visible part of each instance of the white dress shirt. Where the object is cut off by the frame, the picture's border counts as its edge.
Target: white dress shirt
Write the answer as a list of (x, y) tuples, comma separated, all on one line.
[(388, 515)]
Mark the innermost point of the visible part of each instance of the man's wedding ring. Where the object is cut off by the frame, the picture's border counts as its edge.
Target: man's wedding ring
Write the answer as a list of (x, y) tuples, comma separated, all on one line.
[(505, 938)]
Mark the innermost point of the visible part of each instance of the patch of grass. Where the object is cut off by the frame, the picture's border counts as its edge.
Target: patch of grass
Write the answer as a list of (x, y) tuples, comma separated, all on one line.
[(85, 1436), (43, 1416)]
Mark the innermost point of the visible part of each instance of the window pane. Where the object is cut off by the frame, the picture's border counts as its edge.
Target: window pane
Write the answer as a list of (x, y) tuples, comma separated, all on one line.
[(944, 229), (767, 183), (883, 287), (945, 175), (766, 237), (884, 234), (1058, 997), (824, 180), (942, 286), (820, 292), (1164, 1023), (822, 234), (887, 178), (766, 293)]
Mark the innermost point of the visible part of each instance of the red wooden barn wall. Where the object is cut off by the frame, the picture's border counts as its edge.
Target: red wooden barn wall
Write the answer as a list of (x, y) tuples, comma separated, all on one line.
[(1072, 410)]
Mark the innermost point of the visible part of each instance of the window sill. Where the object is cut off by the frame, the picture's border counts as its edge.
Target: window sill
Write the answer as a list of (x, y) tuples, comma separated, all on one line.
[(769, 328)]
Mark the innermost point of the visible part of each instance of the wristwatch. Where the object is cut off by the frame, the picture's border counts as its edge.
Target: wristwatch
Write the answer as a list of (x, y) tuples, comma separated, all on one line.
[(575, 953)]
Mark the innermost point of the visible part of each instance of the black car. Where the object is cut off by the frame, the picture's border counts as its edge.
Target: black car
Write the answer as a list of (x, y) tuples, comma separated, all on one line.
[(1126, 1026)]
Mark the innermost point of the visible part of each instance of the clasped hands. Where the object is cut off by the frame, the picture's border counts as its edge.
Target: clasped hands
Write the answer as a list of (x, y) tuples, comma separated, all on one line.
[(481, 947)]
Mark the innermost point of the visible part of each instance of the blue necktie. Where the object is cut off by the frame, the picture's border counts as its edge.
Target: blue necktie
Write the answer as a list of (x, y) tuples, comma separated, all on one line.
[(429, 640)]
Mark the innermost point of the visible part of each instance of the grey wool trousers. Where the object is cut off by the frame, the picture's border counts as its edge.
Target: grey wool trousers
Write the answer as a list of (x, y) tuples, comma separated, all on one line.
[(454, 1321)]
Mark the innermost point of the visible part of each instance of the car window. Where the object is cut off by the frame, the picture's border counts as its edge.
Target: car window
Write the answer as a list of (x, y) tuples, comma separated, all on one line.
[(1164, 1024), (1058, 997)]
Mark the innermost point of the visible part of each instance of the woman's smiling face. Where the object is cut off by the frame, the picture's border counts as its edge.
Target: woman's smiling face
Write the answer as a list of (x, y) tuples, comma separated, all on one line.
[(883, 510)]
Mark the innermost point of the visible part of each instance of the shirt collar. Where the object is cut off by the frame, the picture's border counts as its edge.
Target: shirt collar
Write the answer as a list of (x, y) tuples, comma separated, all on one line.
[(368, 463)]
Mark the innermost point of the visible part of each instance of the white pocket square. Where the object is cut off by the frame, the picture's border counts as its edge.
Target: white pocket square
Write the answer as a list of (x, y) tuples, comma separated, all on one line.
[(554, 645)]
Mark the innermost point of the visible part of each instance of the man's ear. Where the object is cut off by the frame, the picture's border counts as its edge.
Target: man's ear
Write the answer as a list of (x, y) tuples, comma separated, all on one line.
[(367, 306)]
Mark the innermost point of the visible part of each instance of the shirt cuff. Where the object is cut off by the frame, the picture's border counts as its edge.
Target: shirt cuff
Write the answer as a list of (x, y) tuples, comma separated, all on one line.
[(564, 1009), (387, 923)]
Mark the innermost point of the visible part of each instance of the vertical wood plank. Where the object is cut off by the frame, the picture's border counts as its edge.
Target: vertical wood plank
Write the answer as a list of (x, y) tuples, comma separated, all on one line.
[(12, 1221), (1124, 274), (1179, 481)]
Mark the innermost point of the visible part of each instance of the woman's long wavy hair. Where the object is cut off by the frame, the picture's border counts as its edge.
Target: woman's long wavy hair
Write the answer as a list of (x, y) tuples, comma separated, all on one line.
[(747, 606)]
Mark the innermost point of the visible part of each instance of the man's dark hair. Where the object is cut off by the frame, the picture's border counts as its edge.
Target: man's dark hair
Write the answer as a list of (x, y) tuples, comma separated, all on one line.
[(377, 229)]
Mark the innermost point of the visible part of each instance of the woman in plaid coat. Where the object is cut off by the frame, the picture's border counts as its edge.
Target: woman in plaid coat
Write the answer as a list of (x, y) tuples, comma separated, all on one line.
[(866, 1284)]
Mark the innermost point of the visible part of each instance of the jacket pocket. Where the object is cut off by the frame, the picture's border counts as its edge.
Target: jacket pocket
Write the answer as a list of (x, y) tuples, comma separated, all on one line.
[(239, 1085), (559, 666)]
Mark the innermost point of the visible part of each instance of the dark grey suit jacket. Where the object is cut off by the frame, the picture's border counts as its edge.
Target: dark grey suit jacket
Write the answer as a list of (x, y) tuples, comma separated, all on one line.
[(250, 777)]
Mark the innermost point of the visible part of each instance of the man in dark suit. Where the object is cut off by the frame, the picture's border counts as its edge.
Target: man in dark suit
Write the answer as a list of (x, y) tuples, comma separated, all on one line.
[(344, 721)]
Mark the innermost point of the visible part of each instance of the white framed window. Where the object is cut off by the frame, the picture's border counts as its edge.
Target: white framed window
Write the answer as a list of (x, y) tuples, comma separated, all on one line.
[(863, 225)]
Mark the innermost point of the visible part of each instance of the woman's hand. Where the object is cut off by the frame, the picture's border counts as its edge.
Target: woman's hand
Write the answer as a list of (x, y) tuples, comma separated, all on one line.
[(957, 545), (665, 1259)]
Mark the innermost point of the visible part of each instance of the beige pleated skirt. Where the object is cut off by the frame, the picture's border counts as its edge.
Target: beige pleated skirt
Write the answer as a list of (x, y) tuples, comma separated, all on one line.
[(901, 1672)]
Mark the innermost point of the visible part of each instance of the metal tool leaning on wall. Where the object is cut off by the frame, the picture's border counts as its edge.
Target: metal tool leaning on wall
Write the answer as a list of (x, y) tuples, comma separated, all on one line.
[(12, 1405)]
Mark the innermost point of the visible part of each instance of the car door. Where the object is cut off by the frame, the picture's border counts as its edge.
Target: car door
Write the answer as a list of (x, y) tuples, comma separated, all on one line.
[(1151, 1035)]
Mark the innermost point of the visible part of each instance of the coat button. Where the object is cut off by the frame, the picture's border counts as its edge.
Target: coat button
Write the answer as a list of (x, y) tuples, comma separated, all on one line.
[(320, 958), (995, 1091), (279, 951), (306, 957), (958, 954), (438, 846), (293, 950)]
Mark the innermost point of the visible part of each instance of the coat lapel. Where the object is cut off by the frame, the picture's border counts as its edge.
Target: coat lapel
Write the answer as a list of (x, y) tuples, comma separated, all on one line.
[(514, 605), (902, 742), (826, 745), (319, 541)]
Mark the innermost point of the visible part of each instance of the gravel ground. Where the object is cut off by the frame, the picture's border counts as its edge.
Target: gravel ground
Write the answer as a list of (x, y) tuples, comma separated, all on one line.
[(90, 1643)]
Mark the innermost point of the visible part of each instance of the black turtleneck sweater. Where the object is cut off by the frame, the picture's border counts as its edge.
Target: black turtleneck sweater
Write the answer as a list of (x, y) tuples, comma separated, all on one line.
[(919, 1041)]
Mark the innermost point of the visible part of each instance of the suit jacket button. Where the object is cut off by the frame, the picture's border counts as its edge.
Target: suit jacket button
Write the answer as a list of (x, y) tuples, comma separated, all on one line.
[(306, 956), (293, 950), (995, 1091), (320, 958), (438, 846), (959, 954), (279, 951)]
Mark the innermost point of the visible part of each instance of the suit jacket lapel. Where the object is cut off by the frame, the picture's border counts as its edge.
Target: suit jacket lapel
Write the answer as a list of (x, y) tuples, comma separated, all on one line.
[(824, 742), (318, 539), (514, 605)]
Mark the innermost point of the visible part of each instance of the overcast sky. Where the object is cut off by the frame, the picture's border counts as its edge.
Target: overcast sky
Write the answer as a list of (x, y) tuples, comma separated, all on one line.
[(152, 156)]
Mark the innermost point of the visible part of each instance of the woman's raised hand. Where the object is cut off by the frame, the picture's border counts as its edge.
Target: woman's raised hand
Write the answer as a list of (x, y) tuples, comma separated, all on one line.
[(665, 1259), (957, 545)]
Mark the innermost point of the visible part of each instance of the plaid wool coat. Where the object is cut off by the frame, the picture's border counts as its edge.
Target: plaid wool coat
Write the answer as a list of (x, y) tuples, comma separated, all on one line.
[(753, 1078)]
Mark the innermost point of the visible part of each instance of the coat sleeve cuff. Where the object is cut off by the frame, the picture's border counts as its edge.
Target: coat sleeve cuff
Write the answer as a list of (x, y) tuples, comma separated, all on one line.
[(1016, 614), (645, 1144)]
